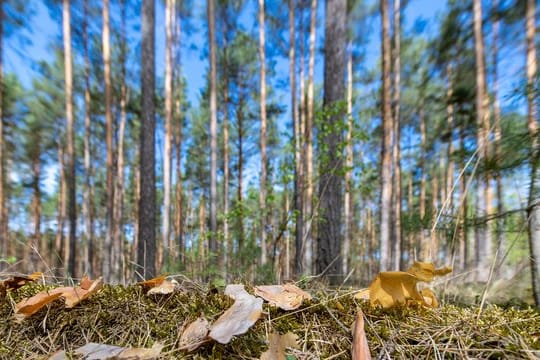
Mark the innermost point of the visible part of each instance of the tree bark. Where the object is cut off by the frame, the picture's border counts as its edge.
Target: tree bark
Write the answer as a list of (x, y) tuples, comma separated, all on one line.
[(147, 201), (4, 241), (179, 206), (483, 254), (298, 206), (450, 154), (330, 187), (167, 143), (534, 197), (213, 248), (108, 274), (262, 192), (227, 246), (59, 243), (386, 152), (308, 201), (396, 150), (87, 198), (70, 141), (463, 231), (348, 201), (39, 242)]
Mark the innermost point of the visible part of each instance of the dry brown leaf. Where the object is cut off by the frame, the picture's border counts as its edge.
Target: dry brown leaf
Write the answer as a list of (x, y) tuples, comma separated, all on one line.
[(32, 305), (148, 284), (362, 294), (429, 298), (195, 334), (393, 288), (165, 288), (278, 345), (94, 351), (360, 347), (245, 312), (286, 297), (16, 281), (74, 295)]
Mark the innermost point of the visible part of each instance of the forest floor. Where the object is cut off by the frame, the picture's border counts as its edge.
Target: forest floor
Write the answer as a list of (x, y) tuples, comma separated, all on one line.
[(128, 317)]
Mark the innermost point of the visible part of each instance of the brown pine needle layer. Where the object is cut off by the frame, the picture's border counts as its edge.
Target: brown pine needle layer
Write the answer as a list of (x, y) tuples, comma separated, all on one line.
[(125, 316)]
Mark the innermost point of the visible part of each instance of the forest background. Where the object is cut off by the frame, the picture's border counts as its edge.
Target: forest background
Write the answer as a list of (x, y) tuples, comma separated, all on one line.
[(292, 139)]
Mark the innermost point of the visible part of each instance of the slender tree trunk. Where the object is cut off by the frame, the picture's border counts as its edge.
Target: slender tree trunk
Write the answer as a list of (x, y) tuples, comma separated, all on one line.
[(262, 192), (240, 165), (59, 243), (497, 134), (39, 242), (170, 6), (107, 252), (202, 234), (308, 201), (227, 246), (534, 197), (4, 241), (146, 251), (450, 154), (87, 199), (386, 152), (213, 133), (483, 254), (118, 239), (348, 201), (298, 206), (330, 187), (396, 151), (463, 232), (70, 141), (432, 248), (179, 209)]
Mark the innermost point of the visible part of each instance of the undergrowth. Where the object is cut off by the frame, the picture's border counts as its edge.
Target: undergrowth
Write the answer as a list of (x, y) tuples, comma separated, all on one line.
[(125, 316)]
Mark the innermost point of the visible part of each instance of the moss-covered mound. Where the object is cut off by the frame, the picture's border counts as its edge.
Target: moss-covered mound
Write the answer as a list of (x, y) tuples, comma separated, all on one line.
[(125, 316)]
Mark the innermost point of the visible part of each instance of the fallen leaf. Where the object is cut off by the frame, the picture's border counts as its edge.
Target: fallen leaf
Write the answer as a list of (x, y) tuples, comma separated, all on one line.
[(286, 297), (360, 347), (429, 298), (94, 351), (245, 312), (32, 305), (16, 281), (362, 294), (278, 345), (74, 295), (195, 334), (165, 288), (393, 288), (148, 284)]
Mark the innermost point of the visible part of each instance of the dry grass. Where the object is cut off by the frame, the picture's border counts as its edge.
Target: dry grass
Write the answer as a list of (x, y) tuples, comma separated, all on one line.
[(125, 316)]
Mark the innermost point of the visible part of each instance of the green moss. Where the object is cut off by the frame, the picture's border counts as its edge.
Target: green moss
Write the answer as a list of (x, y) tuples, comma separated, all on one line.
[(125, 316)]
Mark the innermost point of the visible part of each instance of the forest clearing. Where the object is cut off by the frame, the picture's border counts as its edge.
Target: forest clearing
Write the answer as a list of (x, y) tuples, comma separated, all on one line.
[(297, 179)]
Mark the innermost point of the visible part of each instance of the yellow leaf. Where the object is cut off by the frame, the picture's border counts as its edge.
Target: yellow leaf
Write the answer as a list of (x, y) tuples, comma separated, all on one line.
[(399, 287), (429, 298)]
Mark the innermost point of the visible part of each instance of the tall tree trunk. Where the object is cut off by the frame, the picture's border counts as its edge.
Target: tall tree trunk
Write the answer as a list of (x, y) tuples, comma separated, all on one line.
[(483, 254), (87, 198), (308, 158), (330, 186), (146, 252), (463, 231), (107, 251), (262, 192), (70, 141), (170, 6), (298, 206), (240, 168), (213, 133), (386, 152), (534, 197), (396, 151), (179, 210), (450, 154), (118, 263), (4, 241), (497, 134), (348, 201), (39, 242), (59, 243), (227, 246)]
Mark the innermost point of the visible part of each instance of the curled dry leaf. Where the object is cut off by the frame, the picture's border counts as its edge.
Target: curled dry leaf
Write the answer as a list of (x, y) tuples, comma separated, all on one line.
[(429, 298), (149, 284), (362, 294), (360, 347), (17, 281), (194, 335), (165, 288), (94, 351), (278, 345), (286, 297), (71, 295), (393, 288), (245, 312)]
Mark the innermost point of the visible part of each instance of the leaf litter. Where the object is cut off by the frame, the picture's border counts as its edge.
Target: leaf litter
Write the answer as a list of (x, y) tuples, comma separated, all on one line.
[(127, 317)]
